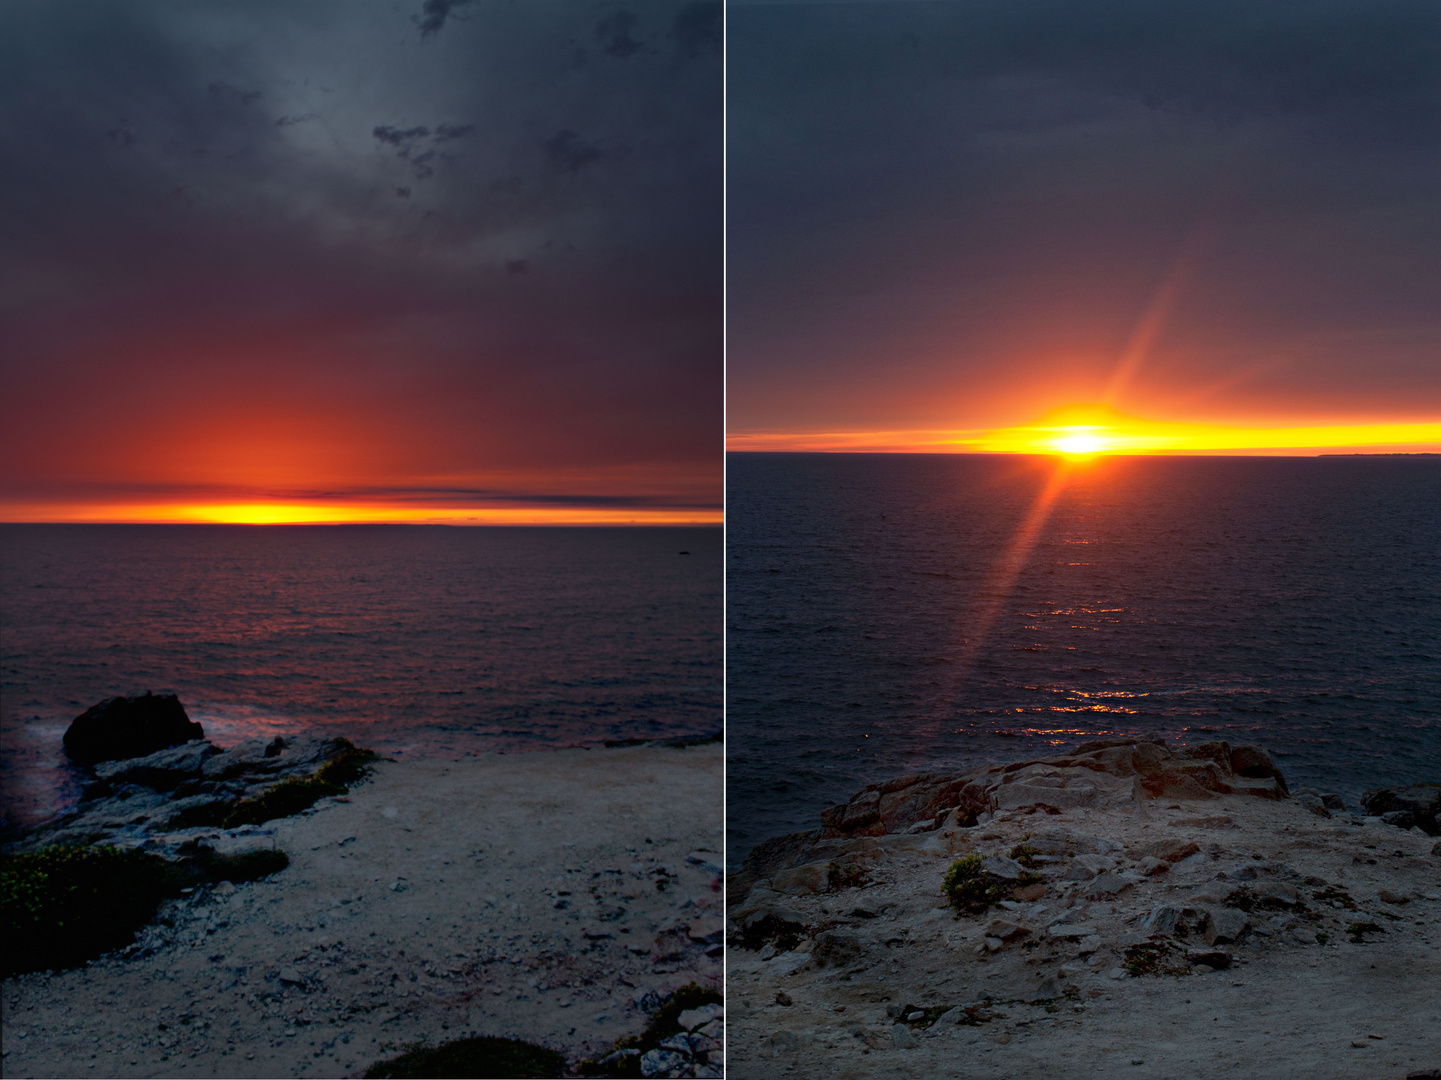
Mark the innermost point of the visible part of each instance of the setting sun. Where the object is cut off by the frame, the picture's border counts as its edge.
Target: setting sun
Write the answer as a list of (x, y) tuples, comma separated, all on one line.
[(1082, 442)]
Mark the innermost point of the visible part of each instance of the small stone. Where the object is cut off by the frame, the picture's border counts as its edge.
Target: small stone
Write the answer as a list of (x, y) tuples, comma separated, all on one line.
[(1213, 958), (1002, 867), (782, 998), (1006, 931), (1162, 920), (1225, 926), (661, 1063), (903, 1037), (291, 976), (1151, 866), (1172, 851), (691, 1019), (1109, 884)]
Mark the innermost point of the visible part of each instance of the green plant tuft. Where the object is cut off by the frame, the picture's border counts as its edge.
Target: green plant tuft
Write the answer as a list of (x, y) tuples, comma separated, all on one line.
[(292, 796), (969, 888), (1025, 854), (280, 800), (66, 905), (351, 766), (482, 1056)]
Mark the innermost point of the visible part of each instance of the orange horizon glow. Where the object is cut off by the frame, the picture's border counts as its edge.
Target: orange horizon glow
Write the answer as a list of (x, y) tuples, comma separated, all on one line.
[(298, 513), (1088, 430)]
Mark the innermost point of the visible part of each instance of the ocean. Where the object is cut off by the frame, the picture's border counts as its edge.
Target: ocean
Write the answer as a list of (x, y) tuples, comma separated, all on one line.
[(416, 641), (896, 613)]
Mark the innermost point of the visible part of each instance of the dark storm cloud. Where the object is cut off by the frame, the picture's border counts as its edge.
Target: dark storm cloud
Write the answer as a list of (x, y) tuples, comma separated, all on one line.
[(569, 152), (699, 27), (969, 174), (614, 32), (311, 207), (433, 14)]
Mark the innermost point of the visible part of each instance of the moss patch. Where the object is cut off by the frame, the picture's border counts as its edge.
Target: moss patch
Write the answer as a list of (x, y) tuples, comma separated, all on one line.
[(483, 1056), (65, 905), (292, 796), (846, 876), (281, 800), (1338, 898), (1359, 930), (1248, 901), (1153, 958)]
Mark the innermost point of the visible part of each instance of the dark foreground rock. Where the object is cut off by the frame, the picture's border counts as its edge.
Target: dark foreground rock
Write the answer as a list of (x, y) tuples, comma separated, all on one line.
[(127, 727), (1422, 802)]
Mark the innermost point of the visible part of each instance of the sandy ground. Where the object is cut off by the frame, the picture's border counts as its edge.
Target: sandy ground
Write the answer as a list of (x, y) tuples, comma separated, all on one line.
[(1288, 1007), (538, 896)]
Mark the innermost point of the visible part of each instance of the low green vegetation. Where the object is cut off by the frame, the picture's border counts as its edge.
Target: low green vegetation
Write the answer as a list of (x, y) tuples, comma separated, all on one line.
[(971, 890), (1025, 854), (65, 905), (292, 796), (1359, 930), (482, 1056), (664, 1023), (280, 800)]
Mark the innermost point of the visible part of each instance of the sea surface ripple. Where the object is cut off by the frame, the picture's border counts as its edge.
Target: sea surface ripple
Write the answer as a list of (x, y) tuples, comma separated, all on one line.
[(418, 640), (873, 630)]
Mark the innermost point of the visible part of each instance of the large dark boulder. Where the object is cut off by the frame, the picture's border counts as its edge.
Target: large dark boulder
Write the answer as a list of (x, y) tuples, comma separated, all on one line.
[(127, 727), (1421, 801)]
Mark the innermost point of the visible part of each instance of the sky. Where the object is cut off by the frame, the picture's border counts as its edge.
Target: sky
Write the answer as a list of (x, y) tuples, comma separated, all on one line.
[(1177, 227), (449, 260)]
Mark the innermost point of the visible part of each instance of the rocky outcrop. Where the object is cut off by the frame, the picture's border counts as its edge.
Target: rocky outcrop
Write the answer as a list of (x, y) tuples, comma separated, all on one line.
[(1416, 806), (164, 770), (920, 932), (129, 727), (1099, 775), (192, 785)]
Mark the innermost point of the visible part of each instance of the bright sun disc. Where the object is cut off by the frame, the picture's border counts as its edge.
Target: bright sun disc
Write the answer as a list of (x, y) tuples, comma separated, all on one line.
[(1080, 444)]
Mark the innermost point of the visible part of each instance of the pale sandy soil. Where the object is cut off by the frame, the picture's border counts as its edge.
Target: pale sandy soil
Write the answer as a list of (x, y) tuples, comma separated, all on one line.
[(1288, 1008), (505, 895)]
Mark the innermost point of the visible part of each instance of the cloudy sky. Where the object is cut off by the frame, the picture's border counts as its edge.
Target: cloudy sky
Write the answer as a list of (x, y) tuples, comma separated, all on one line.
[(964, 215), (425, 255)]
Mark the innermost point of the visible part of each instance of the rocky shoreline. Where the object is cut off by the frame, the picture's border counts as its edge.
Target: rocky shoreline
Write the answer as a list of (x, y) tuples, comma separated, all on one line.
[(1169, 913), (557, 897)]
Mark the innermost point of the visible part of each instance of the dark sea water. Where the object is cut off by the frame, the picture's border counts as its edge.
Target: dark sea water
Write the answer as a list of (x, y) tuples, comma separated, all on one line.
[(413, 640), (882, 618)]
